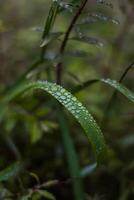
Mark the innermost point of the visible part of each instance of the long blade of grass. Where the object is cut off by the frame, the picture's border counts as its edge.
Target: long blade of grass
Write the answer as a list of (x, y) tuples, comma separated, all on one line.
[(72, 159), (120, 87), (112, 101), (70, 102), (115, 84)]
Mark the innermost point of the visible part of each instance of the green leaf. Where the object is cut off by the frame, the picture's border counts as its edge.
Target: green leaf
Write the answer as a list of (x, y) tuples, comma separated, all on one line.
[(72, 158), (46, 194), (87, 40), (50, 19), (35, 131), (115, 84), (96, 17), (70, 102), (9, 172), (121, 88)]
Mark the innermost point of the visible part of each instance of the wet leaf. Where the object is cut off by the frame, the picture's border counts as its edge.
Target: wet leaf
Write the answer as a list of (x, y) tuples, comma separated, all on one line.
[(87, 40), (120, 87), (115, 84), (95, 17), (70, 102)]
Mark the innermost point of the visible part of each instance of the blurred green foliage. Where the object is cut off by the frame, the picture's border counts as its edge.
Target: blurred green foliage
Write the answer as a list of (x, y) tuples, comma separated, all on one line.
[(100, 46)]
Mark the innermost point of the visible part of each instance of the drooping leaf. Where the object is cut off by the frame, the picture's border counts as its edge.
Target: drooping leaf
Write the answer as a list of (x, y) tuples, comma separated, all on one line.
[(104, 18), (95, 17), (112, 100), (70, 102), (115, 84), (121, 88), (9, 172), (87, 40)]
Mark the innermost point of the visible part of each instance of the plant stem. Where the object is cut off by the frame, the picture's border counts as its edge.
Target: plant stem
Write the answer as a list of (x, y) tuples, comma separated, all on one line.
[(63, 45)]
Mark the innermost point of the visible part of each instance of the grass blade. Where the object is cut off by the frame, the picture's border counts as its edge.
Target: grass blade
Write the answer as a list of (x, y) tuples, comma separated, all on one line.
[(87, 40), (72, 159), (113, 83), (70, 102), (121, 88)]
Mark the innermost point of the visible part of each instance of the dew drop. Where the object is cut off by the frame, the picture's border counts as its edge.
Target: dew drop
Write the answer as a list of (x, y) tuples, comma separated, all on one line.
[(74, 99), (54, 88), (78, 111), (73, 107), (63, 97), (62, 90), (58, 93), (79, 104)]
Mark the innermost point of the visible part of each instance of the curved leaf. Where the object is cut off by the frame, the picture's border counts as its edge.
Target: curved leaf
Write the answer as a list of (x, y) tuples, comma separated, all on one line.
[(70, 102), (87, 40), (118, 86), (96, 17), (121, 88)]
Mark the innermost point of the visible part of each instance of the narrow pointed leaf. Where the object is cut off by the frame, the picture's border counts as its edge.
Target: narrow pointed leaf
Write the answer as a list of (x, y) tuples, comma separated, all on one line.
[(70, 102), (115, 84), (121, 88), (95, 17), (87, 40), (50, 19)]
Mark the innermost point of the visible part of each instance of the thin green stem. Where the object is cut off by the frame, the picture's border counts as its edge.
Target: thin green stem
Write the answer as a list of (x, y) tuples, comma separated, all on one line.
[(65, 40)]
